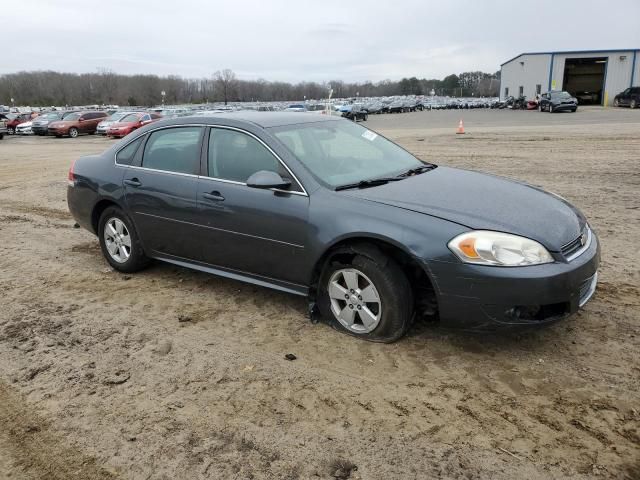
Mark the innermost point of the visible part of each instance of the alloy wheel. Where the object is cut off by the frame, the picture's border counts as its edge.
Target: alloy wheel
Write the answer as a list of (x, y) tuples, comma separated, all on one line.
[(117, 240), (355, 301), (73, 132)]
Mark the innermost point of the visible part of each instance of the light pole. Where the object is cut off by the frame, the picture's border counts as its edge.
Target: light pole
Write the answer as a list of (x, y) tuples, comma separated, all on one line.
[(163, 93)]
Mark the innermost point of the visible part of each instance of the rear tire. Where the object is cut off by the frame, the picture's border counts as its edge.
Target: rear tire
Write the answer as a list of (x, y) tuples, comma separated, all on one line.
[(393, 308), (11, 131), (119, 241)]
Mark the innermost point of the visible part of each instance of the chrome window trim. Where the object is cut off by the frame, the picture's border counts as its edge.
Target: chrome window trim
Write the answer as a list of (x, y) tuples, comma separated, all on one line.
[(584, 248), (115, 158)]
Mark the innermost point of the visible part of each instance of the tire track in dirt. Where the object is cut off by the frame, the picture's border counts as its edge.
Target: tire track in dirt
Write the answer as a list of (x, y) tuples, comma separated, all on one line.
[(28, 444)]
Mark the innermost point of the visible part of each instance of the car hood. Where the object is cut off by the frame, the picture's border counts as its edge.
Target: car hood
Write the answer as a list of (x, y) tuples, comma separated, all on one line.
[(483, 202)]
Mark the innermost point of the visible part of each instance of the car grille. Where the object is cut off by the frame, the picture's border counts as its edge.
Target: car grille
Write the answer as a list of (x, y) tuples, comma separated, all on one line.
[(587, 288), (574, 246)]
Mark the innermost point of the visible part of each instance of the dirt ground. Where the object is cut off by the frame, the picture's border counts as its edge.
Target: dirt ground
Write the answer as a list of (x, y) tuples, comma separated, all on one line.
[(174, 374)]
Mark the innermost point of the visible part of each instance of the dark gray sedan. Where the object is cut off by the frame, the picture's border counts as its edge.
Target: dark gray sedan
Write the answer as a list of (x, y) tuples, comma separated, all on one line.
[(323, 207)]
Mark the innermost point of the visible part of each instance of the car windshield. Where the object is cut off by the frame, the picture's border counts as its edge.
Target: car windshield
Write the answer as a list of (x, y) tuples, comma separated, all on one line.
[(341, 152), (49, 116), (132, 117), (72, 116), (562, 95), (115, 117)]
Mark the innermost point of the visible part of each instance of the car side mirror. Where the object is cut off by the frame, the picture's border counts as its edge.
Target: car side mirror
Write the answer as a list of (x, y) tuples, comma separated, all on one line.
[(267, 179), (81, 119)]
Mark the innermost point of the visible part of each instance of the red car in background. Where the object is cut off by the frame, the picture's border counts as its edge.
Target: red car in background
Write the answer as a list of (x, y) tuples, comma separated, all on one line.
[(15, 120), (130, 123)]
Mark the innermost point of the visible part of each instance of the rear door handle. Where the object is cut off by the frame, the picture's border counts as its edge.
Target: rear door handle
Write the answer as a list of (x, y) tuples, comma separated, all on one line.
[(216, 196), (134, 182)]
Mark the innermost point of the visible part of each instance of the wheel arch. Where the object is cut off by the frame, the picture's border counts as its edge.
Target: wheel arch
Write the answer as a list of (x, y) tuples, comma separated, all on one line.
[(345, 248), (100, 206)]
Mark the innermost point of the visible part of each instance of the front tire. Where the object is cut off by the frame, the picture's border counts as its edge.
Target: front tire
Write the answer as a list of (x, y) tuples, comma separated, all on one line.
[(633, 104), (370, 297), (73, 132), (119, 241), (616, 103), (550, 108)]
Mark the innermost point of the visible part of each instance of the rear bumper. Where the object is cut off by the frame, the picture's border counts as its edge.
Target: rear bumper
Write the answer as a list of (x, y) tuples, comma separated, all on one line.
[(482, 297)]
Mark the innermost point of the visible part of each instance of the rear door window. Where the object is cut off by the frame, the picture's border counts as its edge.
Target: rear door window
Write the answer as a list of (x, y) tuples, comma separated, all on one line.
[(174, 149), (127, 154)]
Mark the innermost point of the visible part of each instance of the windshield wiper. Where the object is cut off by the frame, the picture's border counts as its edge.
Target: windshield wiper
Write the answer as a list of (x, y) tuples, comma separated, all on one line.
[(418, 170), (374, 182)]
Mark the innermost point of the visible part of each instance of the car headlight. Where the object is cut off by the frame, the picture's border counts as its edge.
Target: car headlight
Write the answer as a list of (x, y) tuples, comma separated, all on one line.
[(499, 249)]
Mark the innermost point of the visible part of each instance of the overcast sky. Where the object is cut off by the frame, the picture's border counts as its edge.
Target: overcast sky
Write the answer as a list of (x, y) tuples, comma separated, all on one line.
[(303, 39)]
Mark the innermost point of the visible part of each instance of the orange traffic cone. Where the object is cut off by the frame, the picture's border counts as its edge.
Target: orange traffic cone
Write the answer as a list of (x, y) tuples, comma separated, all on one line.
[(460, 130)]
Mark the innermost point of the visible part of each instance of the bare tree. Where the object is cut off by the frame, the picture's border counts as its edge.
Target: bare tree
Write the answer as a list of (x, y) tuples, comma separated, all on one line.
[(225, 81)]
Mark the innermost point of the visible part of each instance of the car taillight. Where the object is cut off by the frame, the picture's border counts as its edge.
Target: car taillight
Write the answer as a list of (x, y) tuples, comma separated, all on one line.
[(71, 179)]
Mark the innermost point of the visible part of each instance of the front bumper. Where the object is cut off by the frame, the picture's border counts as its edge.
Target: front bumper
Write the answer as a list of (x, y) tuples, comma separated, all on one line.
[(40, 129), (58, 131), (485, 297), (118, 133), (565, 106)]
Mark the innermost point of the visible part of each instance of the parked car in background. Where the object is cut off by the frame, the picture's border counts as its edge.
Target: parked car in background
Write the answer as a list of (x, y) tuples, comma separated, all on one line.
[(323, 208), (296, 107), (373, 106), (586, 97), (40, 125), (355, 113), (104, 125), (629, 98), (15, 120), (557, 101), (77, 123), (25, 128), (131, 122), (3, 125), (397, 106)]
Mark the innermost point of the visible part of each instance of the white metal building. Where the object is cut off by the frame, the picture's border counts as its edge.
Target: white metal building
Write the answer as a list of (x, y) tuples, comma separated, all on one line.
[(593, 76)]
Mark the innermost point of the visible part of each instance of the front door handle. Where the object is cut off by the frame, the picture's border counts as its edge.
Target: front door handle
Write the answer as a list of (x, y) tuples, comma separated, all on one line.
[(216, 196), (134, 182)]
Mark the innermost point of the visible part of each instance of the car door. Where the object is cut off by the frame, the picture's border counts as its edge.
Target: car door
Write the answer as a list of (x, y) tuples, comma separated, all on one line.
[(623, 99), (160, 191), (255, 231)]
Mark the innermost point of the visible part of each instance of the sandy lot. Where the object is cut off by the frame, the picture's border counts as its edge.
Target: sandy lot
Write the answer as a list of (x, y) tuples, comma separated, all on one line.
[(173, 374)]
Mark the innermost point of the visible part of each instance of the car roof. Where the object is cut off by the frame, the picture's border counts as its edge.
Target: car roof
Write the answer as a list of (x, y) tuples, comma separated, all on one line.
[(261, 119)]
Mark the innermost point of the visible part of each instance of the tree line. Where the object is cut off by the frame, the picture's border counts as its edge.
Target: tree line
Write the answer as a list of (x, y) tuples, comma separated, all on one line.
[(104, 87)]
